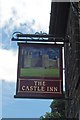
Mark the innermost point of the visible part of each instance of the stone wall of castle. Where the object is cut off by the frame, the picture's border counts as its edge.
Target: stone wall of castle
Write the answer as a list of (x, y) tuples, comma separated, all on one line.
[(41, 61)]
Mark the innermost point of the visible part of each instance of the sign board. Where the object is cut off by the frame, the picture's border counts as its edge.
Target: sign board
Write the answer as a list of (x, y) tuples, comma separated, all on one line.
[(40, 71)]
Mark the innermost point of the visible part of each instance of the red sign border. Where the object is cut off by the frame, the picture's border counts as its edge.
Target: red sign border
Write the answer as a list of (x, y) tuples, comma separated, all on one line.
[(58, 95)]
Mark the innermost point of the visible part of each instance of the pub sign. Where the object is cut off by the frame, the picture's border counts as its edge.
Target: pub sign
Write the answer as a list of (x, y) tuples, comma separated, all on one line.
[(39, 73)]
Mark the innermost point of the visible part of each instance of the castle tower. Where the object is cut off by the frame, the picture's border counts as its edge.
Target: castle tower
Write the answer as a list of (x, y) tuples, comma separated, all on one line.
[(45, 61), (27, 59)]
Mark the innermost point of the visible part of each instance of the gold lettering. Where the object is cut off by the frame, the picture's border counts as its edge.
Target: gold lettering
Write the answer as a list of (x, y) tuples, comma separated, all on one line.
[(42, 88), (23, 88), (55, 89), (27, 88), (47, 88), (38, 89), (31, 88), (51, 88), (35, 83), (39, 83), (35, 88), (44, 83)]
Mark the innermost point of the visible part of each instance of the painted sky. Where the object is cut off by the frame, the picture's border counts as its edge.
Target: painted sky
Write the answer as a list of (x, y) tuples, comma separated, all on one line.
[(36, 51), (26, 16)]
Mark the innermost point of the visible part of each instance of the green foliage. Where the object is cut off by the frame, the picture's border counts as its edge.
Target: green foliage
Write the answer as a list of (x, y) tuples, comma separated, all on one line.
[(59, 107), (57, 110), (50, 115)]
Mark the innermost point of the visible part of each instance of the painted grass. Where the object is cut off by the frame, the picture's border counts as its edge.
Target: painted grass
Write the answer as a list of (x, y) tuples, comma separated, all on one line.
[(39, 72)]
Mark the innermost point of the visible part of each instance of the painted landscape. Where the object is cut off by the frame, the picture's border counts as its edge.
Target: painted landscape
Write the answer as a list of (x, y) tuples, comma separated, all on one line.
[(40, 62)]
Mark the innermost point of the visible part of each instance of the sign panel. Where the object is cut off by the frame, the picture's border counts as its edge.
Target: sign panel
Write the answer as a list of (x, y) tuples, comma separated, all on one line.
[(39, 71)]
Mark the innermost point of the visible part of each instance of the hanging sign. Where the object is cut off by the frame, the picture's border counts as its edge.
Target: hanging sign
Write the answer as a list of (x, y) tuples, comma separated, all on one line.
[(39, 71)]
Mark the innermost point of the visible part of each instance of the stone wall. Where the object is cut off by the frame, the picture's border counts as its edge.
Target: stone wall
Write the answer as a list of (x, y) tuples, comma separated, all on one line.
[(72, 66)]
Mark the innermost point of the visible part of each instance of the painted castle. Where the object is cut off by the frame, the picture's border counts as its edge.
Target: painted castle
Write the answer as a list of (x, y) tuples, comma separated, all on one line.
[(37, 59)]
